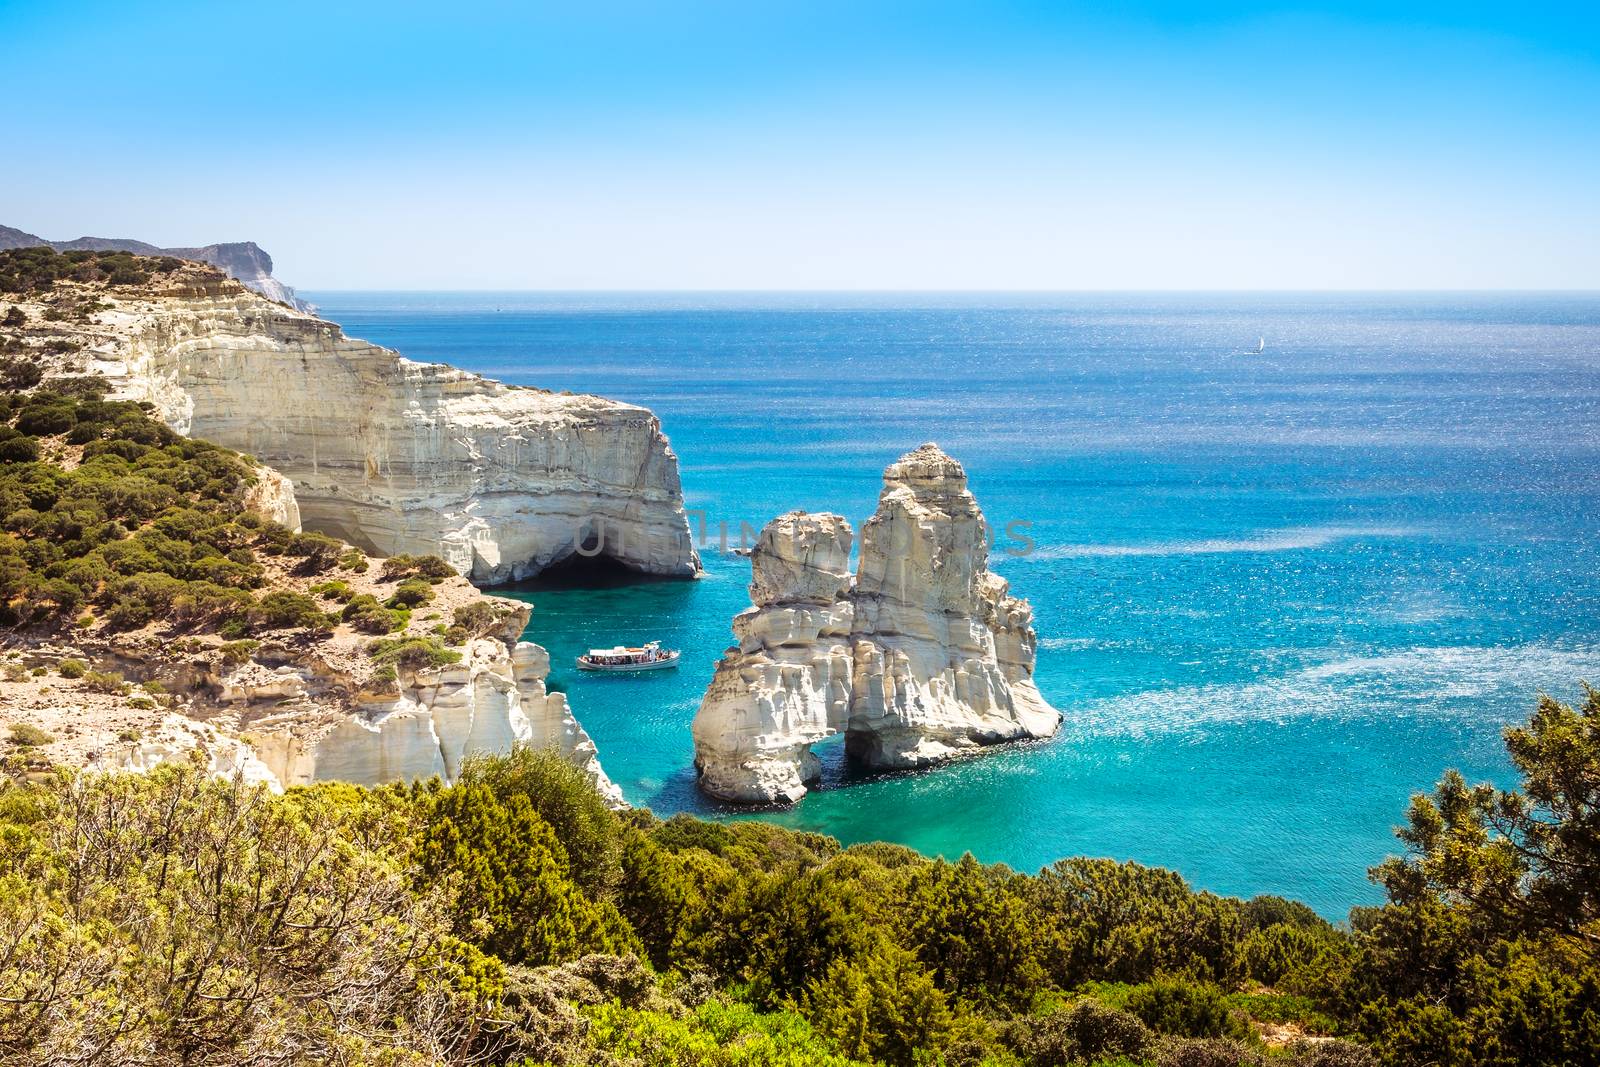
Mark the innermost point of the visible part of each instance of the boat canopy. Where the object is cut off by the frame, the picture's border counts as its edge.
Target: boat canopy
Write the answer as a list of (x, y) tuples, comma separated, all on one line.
[(624, 650)]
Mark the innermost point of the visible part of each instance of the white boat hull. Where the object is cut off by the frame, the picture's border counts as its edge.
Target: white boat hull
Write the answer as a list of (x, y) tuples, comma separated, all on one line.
[(625, 668)]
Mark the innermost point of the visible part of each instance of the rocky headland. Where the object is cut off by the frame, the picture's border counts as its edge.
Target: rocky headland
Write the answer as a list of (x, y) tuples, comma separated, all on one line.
[(391, 455), (245, 261), (183, 614), (919, 656)]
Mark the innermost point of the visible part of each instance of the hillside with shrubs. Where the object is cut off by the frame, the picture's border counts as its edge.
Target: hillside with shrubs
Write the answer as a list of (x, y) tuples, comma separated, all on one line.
[(135, 577), (515, 919)]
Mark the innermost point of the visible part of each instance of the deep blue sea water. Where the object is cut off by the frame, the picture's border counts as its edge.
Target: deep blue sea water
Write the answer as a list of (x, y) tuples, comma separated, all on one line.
[(1275, 593)]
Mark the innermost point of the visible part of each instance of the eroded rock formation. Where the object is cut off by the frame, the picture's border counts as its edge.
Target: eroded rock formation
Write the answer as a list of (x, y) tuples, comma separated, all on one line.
[(920, 656), (317, 715), (490, 702), (397, 456)]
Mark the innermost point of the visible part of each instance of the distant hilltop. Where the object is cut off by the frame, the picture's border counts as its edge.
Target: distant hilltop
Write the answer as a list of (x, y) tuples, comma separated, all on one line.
[(244, 260)]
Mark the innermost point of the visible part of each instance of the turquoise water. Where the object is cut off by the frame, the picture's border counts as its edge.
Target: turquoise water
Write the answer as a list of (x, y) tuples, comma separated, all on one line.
[(1275, 594)]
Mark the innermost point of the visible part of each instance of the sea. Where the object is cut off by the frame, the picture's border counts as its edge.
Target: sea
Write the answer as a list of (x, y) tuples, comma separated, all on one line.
[(1291, 556)]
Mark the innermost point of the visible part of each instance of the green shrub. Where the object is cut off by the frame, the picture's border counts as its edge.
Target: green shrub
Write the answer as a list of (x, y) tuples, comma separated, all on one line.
[(880, 1006), (562, 794), (411, 593), (237, 652), (284, 610), (353, 559), (27, 735), (1207, 1052), (105, 682), (45, 420), (1186, 1009), (16, 671), (1334, 1053), (320, 551), (71, 668), (716, 1034), (19, 450), (335, 590), (417, 653), (513, 876), (364, 613), (1086, 1032), (426, 567)]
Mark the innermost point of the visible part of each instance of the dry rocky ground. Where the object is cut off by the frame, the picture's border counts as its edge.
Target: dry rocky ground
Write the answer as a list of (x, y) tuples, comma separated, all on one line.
[(165, 670)]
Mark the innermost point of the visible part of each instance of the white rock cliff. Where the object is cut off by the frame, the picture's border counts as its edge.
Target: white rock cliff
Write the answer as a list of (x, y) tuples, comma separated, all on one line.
[(301, 722), (921, 656), (397, 456), (490, 702)]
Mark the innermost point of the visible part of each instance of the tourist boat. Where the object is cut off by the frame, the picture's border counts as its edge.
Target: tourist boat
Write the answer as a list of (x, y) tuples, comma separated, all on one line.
[(651, 657)]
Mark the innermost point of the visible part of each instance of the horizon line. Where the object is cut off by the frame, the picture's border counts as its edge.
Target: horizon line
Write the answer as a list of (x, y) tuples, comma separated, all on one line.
[(1591, 291)]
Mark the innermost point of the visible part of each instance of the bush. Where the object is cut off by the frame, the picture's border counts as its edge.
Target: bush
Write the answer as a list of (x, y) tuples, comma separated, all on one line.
[(237, 652), (27, 735), (19, 450), (335, 590), (284, 610), (320, 551), (404, 566), (353, 559), (417, 653), (512, 875), (880, 1006), (367, 615), (1186, 1009), (1086, 1032), (1276, 951), (290, 915), (71, 668), (1207, 1052), (411, 593), (564, 797), (46, 419), (105, 682)]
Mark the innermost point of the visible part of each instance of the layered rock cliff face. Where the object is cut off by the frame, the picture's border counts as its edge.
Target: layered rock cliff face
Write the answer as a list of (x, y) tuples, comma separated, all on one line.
[(922, 655), (490, 702), (396, 456), (293, 716)]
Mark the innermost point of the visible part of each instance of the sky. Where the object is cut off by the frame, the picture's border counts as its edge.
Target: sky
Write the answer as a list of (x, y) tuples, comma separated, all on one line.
[(820, 145)]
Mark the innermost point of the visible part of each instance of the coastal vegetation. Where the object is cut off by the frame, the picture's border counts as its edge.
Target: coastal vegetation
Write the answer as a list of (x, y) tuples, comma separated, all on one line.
[(514, 918), (105, 510)]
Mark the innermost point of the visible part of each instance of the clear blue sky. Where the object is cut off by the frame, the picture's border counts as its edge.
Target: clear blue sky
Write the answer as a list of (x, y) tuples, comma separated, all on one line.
[(818, 144)]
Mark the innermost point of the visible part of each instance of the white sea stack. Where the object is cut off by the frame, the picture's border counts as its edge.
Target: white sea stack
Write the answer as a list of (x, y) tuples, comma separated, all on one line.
[(921, 656), (398, 456)]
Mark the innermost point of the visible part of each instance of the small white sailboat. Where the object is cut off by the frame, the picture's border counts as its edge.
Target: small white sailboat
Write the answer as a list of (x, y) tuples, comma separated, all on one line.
[(649, 657), (1261, 345)]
